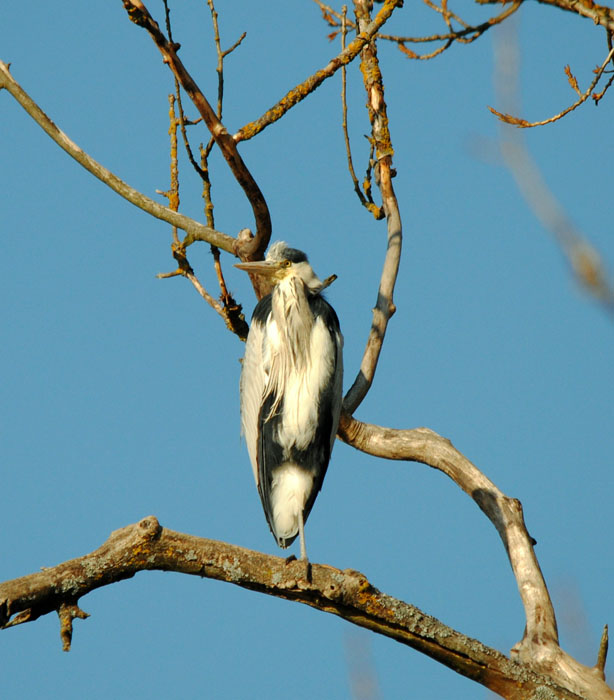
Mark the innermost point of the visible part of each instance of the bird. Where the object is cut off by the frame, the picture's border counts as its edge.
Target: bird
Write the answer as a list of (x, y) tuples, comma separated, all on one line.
[(290, 390)]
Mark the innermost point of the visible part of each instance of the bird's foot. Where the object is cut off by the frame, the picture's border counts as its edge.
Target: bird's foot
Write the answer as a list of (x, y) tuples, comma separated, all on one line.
[(306, 565)]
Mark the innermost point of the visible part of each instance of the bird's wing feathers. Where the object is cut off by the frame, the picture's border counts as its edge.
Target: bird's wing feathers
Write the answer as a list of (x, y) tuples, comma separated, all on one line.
[(254, 375), (269, 439), (315, 407), (330, 398)]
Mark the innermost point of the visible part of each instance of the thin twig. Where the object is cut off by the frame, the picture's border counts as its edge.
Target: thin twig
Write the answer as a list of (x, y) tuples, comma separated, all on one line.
[(232, 311), (173, 197), (182, 119), (468, 34), (523, 124), (344, 108), (602, 655)]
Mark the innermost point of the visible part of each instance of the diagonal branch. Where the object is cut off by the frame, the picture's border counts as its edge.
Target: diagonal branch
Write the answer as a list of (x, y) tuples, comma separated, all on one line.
[(305, 88), (348, 594), (248, 248), (539, 647), (195, 229)]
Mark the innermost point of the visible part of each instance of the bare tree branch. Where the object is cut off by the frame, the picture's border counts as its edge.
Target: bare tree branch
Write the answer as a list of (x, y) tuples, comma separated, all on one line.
[(249, 248), (193, 228), (147, 546), (539, 648), (305, 88), (524, 124), (384, 306), (599, 14), (466, 35), (367, 203)]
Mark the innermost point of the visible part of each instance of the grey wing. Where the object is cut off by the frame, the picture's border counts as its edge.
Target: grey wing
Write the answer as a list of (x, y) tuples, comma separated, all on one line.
[(332, 398), (329, 400), (253, 381)]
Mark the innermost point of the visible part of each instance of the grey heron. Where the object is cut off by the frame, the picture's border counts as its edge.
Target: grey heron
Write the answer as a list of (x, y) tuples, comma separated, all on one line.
[(291, 383)]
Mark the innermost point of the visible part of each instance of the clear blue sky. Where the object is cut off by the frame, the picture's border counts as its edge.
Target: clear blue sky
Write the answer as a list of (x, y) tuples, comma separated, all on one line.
[(118, 396)]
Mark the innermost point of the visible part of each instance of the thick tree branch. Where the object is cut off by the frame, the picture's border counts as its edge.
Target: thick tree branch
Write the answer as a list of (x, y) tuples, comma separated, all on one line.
[(249, 248), (348, 594), (193, 228), (539, 647)]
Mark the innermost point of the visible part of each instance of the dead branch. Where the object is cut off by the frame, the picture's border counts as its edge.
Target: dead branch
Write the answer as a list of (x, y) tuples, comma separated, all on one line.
[(247, 249), (344, 120), (384, 307), (539, 648), (193, 228), (147, 546), (305, 88), (599, 14), (465, 35), (524, 124)]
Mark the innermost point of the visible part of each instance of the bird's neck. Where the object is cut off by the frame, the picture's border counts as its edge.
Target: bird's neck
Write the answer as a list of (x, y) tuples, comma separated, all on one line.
[(291, 311)]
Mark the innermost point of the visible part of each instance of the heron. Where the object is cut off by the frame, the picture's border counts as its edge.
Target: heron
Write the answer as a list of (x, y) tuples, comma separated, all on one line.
[(291, 383)]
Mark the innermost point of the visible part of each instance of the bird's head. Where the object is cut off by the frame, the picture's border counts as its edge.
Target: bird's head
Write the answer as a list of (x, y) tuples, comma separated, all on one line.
[(283, 262)]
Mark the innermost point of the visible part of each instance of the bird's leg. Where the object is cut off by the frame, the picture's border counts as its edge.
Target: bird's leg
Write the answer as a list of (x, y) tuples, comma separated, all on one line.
[(301, 532)]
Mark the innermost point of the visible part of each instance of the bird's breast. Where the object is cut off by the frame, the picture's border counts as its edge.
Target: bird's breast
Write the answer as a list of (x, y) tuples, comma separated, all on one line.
[(298, 386)]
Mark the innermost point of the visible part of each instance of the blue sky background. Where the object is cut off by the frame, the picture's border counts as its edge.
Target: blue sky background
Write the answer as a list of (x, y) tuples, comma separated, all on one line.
[(119, 393)]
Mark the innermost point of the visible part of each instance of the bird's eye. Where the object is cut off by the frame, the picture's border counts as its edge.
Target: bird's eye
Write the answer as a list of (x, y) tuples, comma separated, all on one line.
[(286, 263)]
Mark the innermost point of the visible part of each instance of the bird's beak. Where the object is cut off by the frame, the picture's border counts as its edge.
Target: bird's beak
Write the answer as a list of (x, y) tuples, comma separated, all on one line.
[(261, 267)]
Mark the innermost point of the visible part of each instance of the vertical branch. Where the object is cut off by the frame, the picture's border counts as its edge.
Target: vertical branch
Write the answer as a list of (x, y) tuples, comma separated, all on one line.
[(232, 311), (344, 108), (173, 194), (384, 307), (184, 268), (233, 315)]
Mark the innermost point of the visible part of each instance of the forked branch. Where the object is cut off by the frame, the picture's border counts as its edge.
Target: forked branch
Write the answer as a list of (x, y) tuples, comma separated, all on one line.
[(539, 648), (248, 248)]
